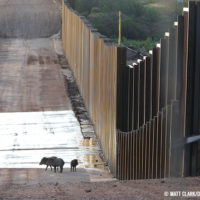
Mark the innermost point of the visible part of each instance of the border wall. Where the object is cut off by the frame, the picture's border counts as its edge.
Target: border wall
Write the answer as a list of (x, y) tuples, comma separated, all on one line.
[(94, 60), (159, 109), (147, 114)]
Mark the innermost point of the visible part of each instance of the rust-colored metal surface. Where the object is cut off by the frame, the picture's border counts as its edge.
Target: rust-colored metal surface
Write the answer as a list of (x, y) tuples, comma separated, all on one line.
[(145, 102), (30, 76), (158, 144), (94, 62)]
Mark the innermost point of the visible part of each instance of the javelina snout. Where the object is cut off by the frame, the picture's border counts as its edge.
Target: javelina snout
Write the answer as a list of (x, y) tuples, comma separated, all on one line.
[(74, 163), (44, 161), (53, 162)]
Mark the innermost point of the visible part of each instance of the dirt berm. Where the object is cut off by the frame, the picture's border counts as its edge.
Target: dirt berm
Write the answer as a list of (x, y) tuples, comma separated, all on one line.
[(29, 18)]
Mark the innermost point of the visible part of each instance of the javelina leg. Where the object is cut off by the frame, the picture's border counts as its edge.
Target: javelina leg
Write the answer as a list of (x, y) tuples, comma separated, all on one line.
[(55, 169), (75, 168), (46, 168), (61, 169)]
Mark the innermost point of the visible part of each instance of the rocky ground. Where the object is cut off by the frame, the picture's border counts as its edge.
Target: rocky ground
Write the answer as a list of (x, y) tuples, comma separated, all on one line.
[(91, 184)]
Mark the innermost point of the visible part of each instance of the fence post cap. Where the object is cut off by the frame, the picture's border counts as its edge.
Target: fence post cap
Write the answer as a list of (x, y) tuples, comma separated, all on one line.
[(158, 45), (185, 9), (175, 23), (167, 34), (130, 66)]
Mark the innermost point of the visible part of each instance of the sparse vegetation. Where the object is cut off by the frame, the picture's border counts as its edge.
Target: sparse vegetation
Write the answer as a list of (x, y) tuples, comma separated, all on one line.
[(146, 45), (143, 21)]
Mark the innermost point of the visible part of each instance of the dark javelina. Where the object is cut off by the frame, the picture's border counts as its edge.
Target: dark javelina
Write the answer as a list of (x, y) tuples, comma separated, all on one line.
[(74, 163), (57, 162), (44, 161)]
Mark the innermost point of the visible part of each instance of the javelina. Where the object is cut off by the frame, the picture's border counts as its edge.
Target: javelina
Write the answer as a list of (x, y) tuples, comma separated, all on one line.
[(56, 162), (74, 163), (44, 161)]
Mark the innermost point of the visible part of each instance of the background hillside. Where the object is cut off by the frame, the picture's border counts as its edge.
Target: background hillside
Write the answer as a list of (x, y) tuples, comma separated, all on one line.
[(143, 21)]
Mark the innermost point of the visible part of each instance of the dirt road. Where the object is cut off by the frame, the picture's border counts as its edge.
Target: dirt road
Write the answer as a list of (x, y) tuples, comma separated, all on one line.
[(90, 185), (29, 19), (30, 76)]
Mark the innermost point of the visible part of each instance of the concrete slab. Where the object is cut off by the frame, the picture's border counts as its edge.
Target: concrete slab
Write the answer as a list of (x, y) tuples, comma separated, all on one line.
[(26, 137), (30, 76), (36, 117)]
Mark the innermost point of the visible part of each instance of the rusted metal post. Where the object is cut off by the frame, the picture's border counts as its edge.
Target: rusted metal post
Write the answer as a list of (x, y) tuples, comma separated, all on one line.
[(148, 104), (196, 108), (152, 151), (180, 56), (160, 143), (168, 140), (130, 97), (164, 71), (142, 93), (121, 64), (164, 147), (155, 148), (172, 70), (156, 80), (136, 96), (177, 143), (190, 84), (178, 112)]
